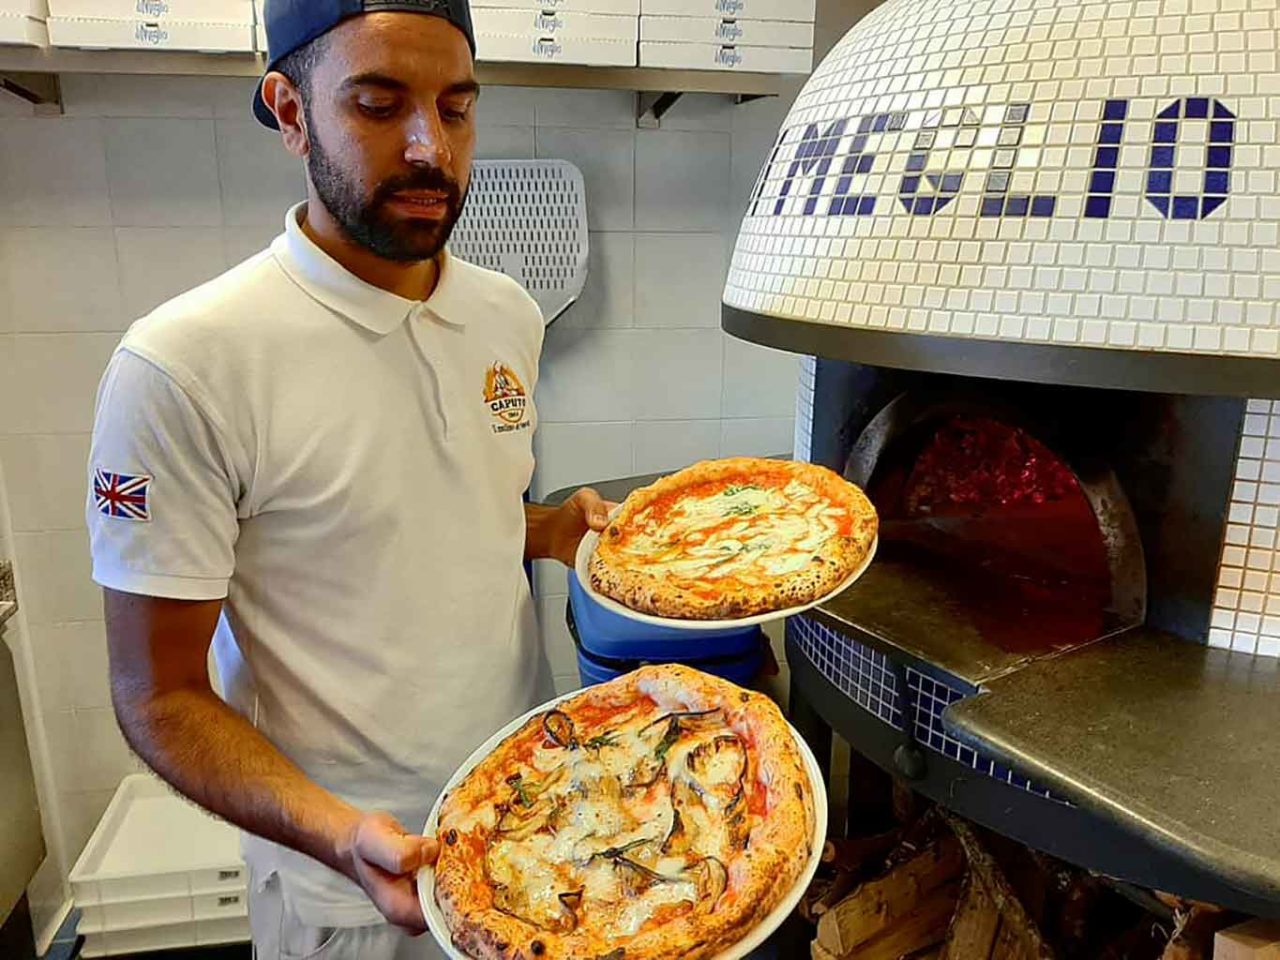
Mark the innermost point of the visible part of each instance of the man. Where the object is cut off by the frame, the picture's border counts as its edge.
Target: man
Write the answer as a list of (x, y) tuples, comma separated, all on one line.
[(303, 461)]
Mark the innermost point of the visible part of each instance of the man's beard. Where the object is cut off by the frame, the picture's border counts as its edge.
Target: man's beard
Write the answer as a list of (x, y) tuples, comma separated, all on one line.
[(365, 222)]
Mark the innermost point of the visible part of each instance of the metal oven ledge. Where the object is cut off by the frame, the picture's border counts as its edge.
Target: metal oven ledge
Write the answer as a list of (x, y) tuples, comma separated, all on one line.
[(1147, 733), (1168, 740)]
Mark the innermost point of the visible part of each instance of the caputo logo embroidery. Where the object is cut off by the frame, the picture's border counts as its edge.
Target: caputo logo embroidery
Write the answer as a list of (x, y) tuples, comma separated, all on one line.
[(506, 398)]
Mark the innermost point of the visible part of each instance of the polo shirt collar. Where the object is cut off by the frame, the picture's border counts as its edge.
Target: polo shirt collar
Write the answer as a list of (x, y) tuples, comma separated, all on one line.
[(378, 311)]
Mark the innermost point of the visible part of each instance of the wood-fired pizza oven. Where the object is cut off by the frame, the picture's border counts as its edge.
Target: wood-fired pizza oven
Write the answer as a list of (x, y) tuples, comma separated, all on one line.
[(1024, 524)]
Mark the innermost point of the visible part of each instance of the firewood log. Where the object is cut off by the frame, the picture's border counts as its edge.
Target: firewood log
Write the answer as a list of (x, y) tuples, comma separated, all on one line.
[(922, 929), (856, 853), (1016, 926), (1254, 940), (1196, 926), (877, 905), (975, 926)]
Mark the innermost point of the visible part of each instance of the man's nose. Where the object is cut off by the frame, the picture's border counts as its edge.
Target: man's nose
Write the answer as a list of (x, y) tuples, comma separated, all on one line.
[(427, 144)]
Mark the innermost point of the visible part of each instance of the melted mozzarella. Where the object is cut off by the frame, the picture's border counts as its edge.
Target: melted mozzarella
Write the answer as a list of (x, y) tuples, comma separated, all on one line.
[(599, 818), (637, 911), (745, 532)]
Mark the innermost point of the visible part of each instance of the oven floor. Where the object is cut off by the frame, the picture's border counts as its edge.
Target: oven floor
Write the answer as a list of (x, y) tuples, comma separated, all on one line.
[(1171, 740), (949, 618)]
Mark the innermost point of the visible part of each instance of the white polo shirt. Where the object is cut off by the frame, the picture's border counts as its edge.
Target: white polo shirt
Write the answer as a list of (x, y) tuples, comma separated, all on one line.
[(345, 467)]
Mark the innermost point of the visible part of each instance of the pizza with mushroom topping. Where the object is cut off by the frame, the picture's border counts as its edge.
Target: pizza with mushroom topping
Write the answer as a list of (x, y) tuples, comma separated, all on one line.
[(729, 539), (663, 814)]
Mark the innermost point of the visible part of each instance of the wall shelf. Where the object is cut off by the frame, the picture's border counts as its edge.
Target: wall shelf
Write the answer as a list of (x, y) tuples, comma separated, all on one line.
[(19, 64)]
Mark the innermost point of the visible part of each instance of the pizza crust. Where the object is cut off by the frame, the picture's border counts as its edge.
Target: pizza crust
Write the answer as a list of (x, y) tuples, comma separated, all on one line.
[(778, 844), (617, 571)]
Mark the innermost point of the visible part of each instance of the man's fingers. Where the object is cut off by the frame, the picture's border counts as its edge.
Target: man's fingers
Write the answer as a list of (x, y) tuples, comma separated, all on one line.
[(594, 508), (383, 843), (429, 852), (396, 898)]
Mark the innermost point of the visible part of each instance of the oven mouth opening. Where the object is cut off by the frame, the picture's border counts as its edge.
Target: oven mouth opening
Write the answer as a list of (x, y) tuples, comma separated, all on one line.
[(1030, 549)]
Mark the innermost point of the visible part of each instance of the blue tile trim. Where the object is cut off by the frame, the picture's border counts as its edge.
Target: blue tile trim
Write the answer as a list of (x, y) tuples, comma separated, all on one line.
[(865, 677)]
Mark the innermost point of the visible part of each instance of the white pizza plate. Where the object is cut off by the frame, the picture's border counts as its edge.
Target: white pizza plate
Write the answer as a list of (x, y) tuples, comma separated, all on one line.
[(582, 568), (758, 935)]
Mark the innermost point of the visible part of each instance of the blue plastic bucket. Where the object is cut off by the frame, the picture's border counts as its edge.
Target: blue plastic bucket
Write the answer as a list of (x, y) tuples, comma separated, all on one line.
[(610, 645)]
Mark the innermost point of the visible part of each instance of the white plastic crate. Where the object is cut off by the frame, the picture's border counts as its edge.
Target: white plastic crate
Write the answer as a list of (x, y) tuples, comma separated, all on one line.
[(741, 33), (711, 56), (99, 34), (163, 911), (152, 844), (204, 933), (194, 11), (555, 23)]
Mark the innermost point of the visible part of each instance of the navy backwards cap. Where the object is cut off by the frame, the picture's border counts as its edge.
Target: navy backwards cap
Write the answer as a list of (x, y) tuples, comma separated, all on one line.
[(292, 24)]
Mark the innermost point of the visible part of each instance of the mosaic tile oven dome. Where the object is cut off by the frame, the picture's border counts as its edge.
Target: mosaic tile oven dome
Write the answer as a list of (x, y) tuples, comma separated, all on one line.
[(1061, 172)]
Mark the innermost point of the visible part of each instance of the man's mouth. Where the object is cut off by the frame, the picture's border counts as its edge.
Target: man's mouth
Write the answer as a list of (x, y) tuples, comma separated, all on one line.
[(421, 203)]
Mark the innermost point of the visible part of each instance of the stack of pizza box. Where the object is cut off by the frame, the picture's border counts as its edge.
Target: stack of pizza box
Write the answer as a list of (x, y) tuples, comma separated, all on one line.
[(22, 23), (759, 36), (159, 873), (202, 26), (600, 33)]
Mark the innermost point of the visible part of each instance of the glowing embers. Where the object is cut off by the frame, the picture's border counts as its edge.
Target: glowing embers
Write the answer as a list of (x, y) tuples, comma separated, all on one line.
[(998, 522)]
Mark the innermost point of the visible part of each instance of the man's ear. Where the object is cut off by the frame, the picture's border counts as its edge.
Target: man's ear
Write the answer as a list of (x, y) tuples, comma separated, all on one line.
[(285, 101)]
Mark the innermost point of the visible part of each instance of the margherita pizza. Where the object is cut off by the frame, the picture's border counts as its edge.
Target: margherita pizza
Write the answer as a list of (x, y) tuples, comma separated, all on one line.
[(733, 538), (660, 815)]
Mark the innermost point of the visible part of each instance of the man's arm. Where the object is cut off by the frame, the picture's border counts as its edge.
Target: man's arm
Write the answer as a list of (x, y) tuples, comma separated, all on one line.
[(553, 533), (178, 725)]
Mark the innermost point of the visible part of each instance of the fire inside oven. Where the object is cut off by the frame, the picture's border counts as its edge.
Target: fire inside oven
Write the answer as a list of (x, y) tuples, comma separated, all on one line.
[(980, 502)]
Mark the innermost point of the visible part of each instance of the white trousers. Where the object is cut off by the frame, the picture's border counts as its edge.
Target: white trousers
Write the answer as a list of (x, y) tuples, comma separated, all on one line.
[(279, 935)]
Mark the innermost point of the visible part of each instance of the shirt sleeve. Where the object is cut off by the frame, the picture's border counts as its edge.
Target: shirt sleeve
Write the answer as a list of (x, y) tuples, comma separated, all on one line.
[(162, 503)]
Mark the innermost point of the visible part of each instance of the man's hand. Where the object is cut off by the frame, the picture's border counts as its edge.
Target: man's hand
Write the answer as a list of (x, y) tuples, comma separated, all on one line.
[(385, 860), (555, 532)]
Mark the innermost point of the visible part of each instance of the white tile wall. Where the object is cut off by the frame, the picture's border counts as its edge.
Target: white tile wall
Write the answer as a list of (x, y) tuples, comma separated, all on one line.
[(163, 173), (683, 180), (505, 143), (157, 263), (62, 278), (256, 176), (54, 173), (55, 377), (668, 294), (148, 187), (607, 159), (1246, 614), (671, 444), (758, 382)]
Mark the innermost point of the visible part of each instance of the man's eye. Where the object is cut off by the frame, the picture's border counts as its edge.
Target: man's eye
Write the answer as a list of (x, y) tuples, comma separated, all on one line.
[(377, 109), (455, 113)]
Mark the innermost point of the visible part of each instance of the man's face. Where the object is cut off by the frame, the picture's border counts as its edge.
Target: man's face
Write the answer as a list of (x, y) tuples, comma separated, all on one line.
[(391, 131)]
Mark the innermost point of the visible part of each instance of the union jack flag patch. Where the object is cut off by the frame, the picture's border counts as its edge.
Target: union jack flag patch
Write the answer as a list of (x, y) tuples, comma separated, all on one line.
[(121, 495)]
